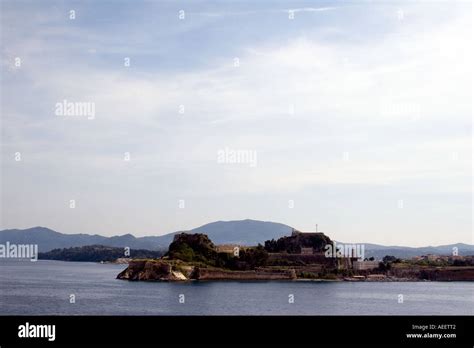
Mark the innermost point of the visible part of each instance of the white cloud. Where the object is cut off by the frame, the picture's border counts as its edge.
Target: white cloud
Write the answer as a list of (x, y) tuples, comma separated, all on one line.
[(397, 104), (329, 85)]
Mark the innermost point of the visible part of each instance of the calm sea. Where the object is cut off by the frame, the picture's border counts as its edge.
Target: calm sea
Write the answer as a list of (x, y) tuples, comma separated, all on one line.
[(45, 288)]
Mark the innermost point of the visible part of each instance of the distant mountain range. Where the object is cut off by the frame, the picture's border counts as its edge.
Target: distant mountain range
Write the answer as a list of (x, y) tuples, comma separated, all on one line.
[(243, 232), (379, 251)]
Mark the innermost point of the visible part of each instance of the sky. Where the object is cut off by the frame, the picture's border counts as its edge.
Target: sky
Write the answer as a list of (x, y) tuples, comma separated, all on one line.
[(353, 115)]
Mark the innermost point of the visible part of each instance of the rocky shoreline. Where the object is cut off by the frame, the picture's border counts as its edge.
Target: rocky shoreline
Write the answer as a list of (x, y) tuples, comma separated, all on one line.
[(159, 270), (163, 270)]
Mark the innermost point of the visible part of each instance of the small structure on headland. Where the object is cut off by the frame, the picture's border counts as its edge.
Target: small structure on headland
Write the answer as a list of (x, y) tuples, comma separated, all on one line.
[(295, 233), (227, 248), (365, 265)]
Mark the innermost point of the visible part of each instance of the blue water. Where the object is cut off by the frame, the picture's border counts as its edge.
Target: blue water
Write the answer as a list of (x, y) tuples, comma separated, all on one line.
[(44, 288)]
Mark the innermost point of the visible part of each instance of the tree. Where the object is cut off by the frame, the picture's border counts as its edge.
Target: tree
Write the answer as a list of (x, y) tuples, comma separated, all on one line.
[(254, 257), (383, 267), (389, 258), (271, 246), (293, 244), (193, 247)]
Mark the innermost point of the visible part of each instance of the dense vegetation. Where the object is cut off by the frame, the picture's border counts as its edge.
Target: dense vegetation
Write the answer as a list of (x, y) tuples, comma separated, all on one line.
[(390, 258), (198, 248), (192, 248), (96, 253), (249, 258), (293, 244)]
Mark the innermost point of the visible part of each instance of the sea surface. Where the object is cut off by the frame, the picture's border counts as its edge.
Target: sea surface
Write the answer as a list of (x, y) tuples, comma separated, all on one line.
[(45, 288)]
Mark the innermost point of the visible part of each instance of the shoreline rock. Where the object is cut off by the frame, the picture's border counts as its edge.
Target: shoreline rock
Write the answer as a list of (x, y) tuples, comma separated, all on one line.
[(164, 270), (150, 270)]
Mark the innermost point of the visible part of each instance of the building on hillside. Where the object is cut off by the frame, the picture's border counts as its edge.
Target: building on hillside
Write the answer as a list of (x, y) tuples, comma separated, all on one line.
[(430, 257), (295, 233), (228, 248), (364, 265), (457, 257)]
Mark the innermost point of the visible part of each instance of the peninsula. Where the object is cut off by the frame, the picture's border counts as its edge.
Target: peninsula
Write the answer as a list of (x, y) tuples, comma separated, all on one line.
[(300, 256)]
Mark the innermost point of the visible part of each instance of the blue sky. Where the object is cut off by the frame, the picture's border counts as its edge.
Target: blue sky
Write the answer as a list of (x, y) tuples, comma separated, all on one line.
[(359, 114)]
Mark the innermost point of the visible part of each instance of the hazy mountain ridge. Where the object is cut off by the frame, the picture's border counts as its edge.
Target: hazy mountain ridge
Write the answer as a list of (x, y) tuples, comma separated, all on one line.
[(48, 239), (244, 232), (379, 251)]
